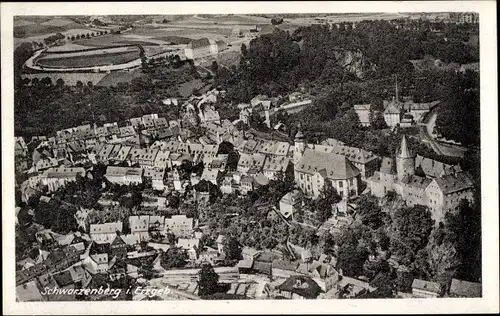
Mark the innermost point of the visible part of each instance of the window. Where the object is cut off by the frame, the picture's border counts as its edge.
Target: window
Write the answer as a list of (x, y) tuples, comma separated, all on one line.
[(301, 176), (340, 184)]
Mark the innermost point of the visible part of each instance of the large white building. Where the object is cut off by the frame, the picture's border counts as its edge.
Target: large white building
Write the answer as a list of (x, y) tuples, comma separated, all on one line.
[(124, 175), (441, 189), (315, 169), (203, 47)]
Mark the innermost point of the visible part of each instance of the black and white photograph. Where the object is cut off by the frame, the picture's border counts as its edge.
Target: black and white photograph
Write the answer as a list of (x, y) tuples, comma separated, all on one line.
[(197, 156)]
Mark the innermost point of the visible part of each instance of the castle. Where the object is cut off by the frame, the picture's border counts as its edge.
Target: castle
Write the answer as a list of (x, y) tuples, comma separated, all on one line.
[(439, 192)]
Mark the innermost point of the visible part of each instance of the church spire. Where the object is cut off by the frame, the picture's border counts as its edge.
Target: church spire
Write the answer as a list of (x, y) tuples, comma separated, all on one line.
[(404, 152), (299, 136)]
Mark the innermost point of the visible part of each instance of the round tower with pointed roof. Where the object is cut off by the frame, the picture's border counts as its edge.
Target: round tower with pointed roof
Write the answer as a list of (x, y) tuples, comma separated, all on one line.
[(405, 162), (299, 145)]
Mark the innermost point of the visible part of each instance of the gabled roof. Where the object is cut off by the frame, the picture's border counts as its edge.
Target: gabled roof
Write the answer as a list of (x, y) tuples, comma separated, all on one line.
[(301, 285), (336, 167), (197, 43), (393, 108), (426, 286), (453, 183), (364, 107), (465, 288)]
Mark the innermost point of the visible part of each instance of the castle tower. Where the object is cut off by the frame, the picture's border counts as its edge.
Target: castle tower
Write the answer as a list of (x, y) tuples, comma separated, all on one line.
[(405, 162), (299, 146)]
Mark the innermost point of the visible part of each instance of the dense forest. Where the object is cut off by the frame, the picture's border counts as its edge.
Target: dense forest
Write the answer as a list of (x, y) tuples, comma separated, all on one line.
[(341, 66)]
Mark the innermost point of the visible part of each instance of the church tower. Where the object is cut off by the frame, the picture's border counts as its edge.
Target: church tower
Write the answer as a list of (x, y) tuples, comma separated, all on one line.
[(299, 146), (405, 162)]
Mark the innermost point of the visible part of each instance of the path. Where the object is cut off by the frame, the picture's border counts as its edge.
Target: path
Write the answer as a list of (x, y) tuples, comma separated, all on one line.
[(440, 148)]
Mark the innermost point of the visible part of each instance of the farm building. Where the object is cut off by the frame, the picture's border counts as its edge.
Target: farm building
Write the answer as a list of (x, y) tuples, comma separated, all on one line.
[(203, 47)]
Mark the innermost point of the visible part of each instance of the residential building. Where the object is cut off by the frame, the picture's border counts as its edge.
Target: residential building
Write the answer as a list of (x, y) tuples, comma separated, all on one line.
[(393, 113), (363, 112), (139, 227), (124, 175), (426, 289), (202, 47), (460, 288), (289, 203), (54, 178), (179, 225), (105, 232), (274, 166)]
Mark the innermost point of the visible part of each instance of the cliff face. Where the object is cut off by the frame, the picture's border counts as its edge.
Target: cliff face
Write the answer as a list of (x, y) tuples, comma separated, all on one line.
[(354, 61)]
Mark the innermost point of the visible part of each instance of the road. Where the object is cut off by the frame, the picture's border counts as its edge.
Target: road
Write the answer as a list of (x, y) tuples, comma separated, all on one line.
[(440, 148)]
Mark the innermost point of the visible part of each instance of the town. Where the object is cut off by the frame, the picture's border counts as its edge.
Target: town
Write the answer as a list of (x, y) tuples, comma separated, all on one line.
[(244, 189)]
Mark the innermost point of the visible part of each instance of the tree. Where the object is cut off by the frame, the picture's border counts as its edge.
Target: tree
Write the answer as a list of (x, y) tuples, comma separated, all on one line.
[(244, 50), (370, 212), (174, 257), (351, 259), (60, 83), (46, 81), (208, 280), (214, 67), (79, 85), (411, 228), (232, 249)]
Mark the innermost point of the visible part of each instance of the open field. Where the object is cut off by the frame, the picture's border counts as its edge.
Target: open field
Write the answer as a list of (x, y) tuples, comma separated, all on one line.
[(89, 60)]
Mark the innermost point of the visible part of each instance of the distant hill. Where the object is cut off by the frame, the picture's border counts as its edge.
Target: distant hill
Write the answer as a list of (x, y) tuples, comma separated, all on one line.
[(28, 26)]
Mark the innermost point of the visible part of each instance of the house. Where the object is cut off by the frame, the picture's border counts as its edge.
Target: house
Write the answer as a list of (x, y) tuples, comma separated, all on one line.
[(352, 288), (139, 227), (162, 160), (211, 175), (202, 47), (124, 175), (469, 67), (289, 203), (249, 253), (20, 147), (245, 266), (105, 232), (426, 289), (210, 255), (179, 225), (363, 112), (247, 161), (55, 178), (157, 176), (247, 184), (299, 287), (191, 245), (393, 113), (118, 247), (274, 166), (460, 288), (284, 268), (28, 292), (220, 243)]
